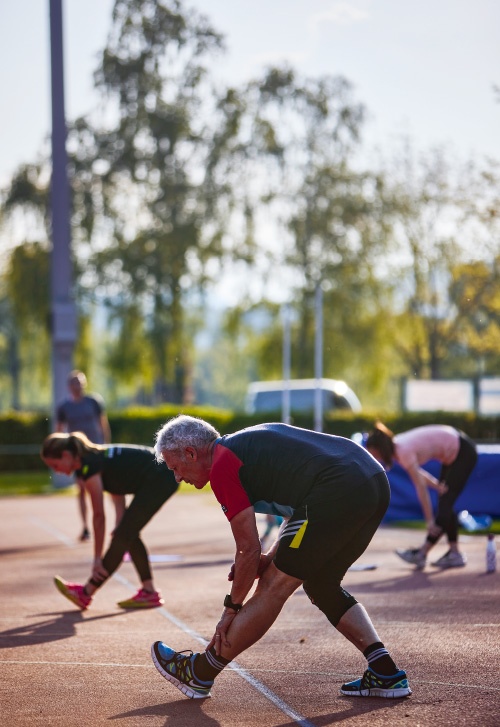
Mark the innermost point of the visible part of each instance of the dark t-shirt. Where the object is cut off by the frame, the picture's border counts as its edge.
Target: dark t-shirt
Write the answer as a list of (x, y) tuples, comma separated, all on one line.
[(276, 467), (125, 468), (83, 416)]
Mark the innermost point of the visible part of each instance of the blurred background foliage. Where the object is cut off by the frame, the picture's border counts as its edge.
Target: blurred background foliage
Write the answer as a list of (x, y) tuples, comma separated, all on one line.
[(199, 210)]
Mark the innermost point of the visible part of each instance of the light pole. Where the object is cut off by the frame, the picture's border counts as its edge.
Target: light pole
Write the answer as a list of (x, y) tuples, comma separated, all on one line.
[(287, 356), (318, 358), (63, 311)]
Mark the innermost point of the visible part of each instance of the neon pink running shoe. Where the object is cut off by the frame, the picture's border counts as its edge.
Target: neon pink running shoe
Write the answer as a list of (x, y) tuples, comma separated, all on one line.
[(73, 592), (143, 599)]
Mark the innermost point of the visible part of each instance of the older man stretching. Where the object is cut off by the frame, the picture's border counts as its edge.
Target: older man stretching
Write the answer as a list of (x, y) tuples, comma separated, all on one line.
[(333, 495)]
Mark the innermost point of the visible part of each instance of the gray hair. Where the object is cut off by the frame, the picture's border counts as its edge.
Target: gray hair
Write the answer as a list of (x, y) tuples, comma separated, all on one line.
[(183, 431)]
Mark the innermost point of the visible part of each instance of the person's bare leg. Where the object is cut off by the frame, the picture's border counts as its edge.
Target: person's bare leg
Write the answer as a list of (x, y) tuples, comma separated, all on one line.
[(260, 611), (357, 627), (82, 506)]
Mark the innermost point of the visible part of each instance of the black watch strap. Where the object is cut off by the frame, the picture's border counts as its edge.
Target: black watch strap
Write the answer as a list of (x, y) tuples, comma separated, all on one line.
[(229, 604)]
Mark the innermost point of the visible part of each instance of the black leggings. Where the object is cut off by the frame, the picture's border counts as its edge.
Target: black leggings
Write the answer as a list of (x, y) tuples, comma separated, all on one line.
[(146, 502), (455, 477)]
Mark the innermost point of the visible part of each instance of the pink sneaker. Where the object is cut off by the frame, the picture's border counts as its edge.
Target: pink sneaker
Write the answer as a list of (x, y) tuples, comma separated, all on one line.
[(74, 592), (143, 599)]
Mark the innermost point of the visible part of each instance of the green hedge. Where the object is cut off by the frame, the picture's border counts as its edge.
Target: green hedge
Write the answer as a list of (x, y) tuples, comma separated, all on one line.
[(22, 433)]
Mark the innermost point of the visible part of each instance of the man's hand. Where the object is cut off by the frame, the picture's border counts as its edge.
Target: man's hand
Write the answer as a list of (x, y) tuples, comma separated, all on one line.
[(265, 561), (220, 636)]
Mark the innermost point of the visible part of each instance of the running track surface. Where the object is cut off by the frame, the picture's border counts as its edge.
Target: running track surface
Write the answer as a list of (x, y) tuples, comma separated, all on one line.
[(60, 666)]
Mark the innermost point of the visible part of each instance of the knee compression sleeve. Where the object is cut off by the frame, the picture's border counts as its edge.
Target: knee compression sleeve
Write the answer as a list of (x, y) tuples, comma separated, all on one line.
[(330, 598)]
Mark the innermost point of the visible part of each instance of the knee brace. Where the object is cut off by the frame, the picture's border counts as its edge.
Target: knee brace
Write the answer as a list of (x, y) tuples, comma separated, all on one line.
[(330, 598)]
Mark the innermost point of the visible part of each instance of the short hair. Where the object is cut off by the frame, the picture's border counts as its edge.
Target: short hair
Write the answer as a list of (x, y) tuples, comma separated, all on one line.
[(183, 431), (77, 375)]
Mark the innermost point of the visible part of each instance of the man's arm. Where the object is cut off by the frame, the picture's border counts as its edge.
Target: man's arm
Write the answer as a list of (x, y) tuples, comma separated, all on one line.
[(106, 429), (246, 565), (247, 558)]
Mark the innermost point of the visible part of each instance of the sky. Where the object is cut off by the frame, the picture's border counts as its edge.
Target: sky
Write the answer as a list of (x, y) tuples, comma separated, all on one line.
[(425, 69)]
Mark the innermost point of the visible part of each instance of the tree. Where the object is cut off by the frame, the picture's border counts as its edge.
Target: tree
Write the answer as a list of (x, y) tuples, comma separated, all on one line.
[(24, 304), (10, 363), (447, 233), (294, 143), (147, 183)]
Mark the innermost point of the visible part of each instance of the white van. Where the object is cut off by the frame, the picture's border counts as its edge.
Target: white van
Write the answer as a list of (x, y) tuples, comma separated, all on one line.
[(267, 396)]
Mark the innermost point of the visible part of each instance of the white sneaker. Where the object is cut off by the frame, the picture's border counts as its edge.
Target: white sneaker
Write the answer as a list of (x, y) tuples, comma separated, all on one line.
[(413, 556), (451, 560)]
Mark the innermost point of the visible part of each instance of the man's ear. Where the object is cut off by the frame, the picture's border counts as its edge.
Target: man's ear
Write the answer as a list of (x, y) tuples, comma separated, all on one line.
[(191, 453)]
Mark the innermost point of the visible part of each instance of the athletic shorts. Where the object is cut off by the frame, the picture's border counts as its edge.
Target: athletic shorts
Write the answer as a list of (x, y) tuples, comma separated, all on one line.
[(333, 531)]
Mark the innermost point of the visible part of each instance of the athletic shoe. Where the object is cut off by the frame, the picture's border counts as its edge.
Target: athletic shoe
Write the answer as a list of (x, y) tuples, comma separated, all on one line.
[(375, 685), (177, 667), (143, 599), (451, 560), (85, 535), (74, 592), (413, 556)]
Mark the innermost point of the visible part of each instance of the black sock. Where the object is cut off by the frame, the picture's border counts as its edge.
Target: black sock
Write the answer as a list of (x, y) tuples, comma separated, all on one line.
[(207, 665), (379, 659)]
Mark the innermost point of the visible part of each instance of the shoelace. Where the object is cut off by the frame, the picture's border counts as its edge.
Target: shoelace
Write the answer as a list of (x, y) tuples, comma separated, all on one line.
[(182, 663)]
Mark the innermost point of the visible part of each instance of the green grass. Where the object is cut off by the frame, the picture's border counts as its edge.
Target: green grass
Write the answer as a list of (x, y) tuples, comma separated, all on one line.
[(40, 483), (25, 483), (420, 525)]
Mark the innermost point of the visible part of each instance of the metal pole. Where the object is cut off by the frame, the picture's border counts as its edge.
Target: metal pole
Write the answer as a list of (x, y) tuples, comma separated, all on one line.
[(63, 311), (285, 398), (318, 359)]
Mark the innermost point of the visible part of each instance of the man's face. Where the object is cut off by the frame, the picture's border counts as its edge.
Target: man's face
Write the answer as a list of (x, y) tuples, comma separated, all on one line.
[(76, 387), (187, 466)]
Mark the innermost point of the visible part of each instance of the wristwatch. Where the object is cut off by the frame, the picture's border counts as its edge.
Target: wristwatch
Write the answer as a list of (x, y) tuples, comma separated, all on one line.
[(233, 606)]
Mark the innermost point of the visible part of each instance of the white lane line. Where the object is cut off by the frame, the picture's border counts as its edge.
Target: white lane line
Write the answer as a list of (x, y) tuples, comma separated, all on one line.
[(285, 708), (256, 684)]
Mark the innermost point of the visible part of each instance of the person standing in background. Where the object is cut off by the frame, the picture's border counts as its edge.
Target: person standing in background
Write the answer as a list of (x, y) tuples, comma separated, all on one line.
[(85, 413)]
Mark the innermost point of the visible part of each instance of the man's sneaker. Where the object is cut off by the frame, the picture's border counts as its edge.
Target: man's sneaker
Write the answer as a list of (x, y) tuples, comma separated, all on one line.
[(413, 556), (177, 667), (85, 535), (143, 599), (451, 560), (375, 685), (74, 592)]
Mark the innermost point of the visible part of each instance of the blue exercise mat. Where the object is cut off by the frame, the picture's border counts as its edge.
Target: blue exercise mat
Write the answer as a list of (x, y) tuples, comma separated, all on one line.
[(481, 495)]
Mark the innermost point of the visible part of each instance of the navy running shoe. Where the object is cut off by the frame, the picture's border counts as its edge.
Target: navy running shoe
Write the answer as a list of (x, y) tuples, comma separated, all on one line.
[(177, 667), (376, 685)]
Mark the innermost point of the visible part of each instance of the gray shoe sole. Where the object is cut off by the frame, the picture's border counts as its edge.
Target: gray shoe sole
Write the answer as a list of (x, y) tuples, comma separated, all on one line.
[(385, 693)]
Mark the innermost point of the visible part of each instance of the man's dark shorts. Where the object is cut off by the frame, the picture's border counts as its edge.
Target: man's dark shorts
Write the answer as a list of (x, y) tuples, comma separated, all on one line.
[(329, 532)]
